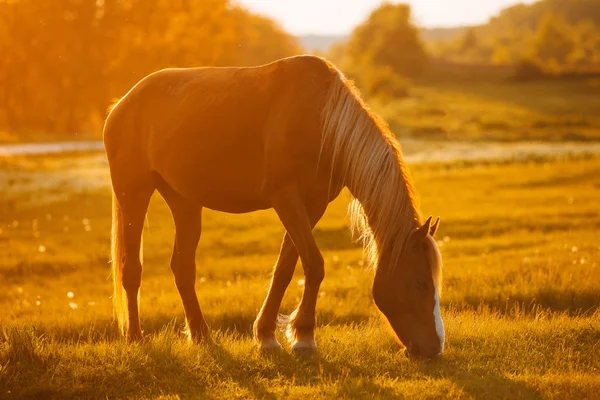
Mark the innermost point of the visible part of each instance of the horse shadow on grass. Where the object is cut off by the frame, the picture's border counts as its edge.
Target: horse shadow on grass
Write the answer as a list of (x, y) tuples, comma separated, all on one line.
[(478, 382), (238, 371), (301, 369), (307, 368)]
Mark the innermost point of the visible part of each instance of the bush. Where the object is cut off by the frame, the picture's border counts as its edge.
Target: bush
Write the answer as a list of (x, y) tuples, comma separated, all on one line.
[(388, 39), (529, 69), (383, 83)]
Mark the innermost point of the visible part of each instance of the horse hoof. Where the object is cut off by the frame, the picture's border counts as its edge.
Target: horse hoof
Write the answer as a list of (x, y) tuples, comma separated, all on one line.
[(304, 345), (269, 344), (134, 336)]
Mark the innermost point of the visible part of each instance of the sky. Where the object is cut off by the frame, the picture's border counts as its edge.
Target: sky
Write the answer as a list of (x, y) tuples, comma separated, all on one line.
[(327, 17)]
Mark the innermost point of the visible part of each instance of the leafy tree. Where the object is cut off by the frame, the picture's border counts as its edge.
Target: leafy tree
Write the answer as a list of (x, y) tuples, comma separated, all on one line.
[(587, 36), (63, 61), (553, 40), (384, 84), (501, 55), (555, 32), (388, 39), (468, 41)]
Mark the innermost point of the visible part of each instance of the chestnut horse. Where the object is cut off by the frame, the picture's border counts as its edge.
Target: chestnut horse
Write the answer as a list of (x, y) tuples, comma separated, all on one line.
[(288, 135)]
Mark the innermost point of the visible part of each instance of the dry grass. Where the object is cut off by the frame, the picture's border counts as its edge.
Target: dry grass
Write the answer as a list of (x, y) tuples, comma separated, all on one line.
[(502, 111), (522, 257)]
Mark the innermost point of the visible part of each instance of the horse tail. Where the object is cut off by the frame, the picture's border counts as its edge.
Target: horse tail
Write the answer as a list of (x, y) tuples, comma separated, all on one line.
[(131, 179), (117, 261)]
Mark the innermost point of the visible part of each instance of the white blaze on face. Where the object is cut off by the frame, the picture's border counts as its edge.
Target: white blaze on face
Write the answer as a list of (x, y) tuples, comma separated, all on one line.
[(439, 324)]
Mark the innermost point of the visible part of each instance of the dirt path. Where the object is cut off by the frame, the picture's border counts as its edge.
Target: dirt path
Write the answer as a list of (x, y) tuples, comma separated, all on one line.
[(419, 151), (25, 149), (414, 150)]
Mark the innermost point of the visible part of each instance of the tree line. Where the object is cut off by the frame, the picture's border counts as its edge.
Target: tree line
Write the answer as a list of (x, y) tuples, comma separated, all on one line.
[(62, 62), (550, 36), (557, 35), (383, 52)]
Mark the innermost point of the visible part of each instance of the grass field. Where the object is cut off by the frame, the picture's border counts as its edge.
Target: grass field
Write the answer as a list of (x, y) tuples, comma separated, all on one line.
[(498, 110), (521, 245)]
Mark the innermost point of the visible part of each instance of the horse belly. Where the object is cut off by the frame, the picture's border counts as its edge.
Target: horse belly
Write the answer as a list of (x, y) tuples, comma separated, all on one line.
[(233, 193), (222, 175)]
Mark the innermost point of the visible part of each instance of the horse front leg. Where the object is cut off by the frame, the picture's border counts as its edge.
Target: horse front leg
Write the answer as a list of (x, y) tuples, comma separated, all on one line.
[(297, 220)]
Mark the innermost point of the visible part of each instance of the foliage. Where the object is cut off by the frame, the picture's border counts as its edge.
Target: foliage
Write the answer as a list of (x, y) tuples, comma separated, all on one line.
[(65, 61), (382, 52), (522, 16), (559, 35), (586, 35), (383, 84), (388, 39), (528, 69), (553, 40), (469, 40)]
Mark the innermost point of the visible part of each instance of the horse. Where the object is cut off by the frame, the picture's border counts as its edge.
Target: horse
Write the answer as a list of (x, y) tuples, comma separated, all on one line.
[(287, 135)]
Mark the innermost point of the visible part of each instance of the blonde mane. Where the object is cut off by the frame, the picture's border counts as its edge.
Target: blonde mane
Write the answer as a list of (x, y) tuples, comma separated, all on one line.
[(384, 210)]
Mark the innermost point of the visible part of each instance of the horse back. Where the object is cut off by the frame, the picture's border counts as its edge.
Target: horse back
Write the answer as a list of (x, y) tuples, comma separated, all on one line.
[(233, 131)]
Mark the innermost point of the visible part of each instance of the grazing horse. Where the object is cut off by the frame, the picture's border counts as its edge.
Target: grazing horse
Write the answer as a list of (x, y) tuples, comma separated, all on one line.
[(288, 135)]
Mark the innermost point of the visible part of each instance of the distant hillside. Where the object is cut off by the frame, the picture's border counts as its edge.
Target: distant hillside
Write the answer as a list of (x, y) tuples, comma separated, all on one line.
[(320, 43), (519, 17), (527, 16), (522, 17)]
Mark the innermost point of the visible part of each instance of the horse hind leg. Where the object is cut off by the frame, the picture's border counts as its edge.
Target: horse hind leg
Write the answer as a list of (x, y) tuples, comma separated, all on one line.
[(133, 185), (188, 226), (129, 212), (266, 320)]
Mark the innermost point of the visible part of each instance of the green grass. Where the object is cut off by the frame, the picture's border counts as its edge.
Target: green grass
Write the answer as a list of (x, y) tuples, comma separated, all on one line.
[(498, 110), (521, 245)]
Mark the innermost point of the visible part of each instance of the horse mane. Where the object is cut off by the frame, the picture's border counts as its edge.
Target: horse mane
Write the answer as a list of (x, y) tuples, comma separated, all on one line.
[(384, 208)]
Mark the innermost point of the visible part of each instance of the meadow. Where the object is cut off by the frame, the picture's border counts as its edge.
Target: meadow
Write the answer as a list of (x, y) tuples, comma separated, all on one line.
[(521, 246), (465, 106)]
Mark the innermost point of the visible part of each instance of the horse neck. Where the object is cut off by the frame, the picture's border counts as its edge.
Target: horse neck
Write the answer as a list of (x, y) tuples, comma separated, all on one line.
[(367, 160)]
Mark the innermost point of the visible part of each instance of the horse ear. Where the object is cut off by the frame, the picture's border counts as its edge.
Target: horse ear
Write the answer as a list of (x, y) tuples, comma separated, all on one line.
[(421, 233), (434, 227)]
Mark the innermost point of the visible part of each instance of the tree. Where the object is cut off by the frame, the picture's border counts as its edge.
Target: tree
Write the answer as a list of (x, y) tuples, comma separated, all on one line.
[(64, 61), (501, 54), (388, 39), (468, 41), (553, 41), (587, 37)]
